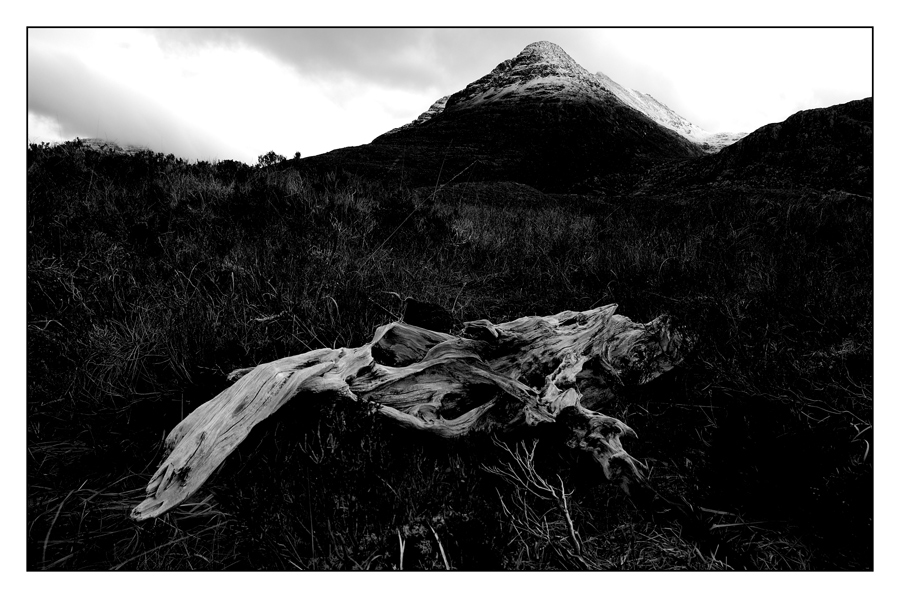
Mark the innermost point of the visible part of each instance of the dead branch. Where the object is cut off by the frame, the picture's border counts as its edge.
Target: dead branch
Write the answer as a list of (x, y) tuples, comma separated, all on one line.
[(489, 378)]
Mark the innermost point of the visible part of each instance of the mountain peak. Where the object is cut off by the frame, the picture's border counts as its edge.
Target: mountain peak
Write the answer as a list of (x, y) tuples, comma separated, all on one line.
[(547, 52), (542, 71), (541, 59)]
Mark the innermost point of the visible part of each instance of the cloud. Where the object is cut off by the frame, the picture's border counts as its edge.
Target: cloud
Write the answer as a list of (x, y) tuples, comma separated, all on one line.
[(82, 102), (733, 79), (443, 60), (392, 58), (44, 128)]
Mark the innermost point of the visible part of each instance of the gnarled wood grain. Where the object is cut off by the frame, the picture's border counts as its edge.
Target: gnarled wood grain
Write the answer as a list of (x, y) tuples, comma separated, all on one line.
[(490, 377)]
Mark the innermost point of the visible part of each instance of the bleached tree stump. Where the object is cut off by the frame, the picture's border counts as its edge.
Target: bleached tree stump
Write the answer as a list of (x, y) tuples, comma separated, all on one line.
[(492, 378)]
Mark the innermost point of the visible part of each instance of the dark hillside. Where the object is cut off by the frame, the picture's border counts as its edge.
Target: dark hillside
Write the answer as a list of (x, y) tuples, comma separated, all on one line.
[(538, 119), (822, 149), (552, 148)]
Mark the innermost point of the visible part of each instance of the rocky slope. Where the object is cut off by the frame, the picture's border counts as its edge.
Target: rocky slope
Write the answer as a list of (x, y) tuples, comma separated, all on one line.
[(435, 108), (538, 118)]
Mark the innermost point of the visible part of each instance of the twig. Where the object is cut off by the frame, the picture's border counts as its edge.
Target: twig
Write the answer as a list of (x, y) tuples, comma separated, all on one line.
[(718, 525), (565, 509), (269, 318), (864, 430), (458, 173), (716, 512)]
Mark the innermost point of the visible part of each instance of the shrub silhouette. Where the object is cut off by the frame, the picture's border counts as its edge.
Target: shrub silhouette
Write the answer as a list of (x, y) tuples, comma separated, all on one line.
[(270, 159)]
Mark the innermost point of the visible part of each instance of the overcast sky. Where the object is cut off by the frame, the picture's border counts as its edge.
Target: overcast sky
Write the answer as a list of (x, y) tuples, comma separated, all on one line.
[(238, 93)]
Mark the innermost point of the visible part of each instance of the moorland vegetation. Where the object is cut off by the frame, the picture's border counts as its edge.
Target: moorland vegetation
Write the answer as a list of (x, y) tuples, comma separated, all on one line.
[(149, 279)]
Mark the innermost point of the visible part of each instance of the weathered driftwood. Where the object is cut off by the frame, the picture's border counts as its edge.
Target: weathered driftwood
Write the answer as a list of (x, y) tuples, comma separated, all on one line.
[(488, 378)]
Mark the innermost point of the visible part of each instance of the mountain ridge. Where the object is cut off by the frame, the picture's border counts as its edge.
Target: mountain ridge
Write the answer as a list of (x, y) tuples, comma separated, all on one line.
[(538, 118), (665, 116), (544, 72), (541, 120), (820, 148)]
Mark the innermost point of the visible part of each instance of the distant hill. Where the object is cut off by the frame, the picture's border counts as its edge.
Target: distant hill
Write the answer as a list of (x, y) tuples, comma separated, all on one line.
[(823, 148), (111, 146)]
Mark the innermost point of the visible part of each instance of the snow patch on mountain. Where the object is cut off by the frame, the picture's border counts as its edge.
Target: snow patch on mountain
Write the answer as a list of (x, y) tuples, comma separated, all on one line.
[(665, 116), (545, 72), (542, 71), (435, 109)]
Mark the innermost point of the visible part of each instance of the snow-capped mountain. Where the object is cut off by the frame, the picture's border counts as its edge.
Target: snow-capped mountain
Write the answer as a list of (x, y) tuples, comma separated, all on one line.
[(545, 72), (541, 72), (538, 118)]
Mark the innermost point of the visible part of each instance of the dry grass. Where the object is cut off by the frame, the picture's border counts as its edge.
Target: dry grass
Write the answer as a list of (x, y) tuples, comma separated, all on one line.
[(150, 279)]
